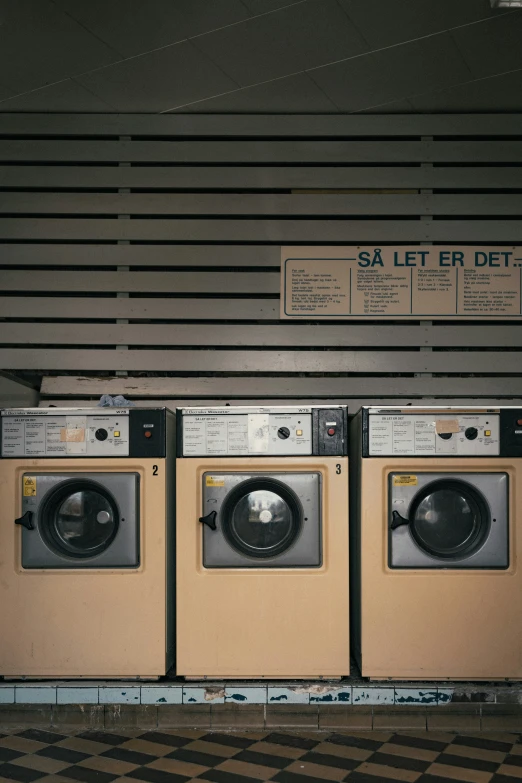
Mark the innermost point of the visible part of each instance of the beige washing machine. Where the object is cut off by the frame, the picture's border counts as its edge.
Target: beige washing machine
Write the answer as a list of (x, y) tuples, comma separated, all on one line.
[(87, 541), (436, 543), (262, 542)]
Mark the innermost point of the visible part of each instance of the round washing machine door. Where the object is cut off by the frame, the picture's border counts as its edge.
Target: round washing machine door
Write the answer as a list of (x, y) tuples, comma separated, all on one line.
[(79, 518), (448, 519), (261, 517)]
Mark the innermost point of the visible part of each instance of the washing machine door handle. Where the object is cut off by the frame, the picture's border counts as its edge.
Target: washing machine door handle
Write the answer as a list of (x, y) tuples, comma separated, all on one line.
[(26, 520), (210, 520), (398, 520)]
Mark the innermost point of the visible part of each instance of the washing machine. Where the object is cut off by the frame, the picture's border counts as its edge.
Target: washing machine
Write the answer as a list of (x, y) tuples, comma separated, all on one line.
[(262, 542), (87, 541), (436, 541)]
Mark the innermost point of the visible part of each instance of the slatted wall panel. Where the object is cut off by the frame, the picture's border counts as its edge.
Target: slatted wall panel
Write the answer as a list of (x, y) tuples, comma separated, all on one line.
[(144, 250)]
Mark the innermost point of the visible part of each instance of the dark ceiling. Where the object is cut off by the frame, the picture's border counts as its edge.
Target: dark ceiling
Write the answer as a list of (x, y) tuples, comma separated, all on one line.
[(314, 56)]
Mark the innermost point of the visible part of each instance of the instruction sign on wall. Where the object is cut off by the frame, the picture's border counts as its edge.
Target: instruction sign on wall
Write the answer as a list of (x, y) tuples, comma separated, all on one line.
[(405, 281)]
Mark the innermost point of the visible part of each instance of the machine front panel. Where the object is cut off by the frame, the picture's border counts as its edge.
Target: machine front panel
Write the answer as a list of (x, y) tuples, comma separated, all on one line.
[(99, 435), (83, 432), (452, 434), (245, 434), (276, 431), (98, 621), (248, 616)]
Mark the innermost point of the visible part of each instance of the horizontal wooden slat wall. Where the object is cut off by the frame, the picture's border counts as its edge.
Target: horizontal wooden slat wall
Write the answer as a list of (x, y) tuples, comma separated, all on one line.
[(140, 254)]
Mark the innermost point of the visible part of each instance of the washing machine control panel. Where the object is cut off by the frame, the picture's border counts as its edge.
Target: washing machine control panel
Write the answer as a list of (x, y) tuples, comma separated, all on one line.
[(248, 433), (71, 433), (433, 434), (284, 431)]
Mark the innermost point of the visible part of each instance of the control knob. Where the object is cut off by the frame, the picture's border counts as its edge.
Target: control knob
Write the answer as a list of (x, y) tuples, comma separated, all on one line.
[(445, 435), (283, 433), (101, 434), (471, 433)]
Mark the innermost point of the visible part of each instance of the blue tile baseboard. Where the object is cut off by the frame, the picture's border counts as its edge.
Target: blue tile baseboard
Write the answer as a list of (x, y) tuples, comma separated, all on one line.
[(322, 693)]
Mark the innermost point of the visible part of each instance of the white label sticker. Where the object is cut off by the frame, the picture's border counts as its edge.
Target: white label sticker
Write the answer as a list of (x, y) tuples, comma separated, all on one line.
[(238, 435), (13, 437), (424, 436), (216, 436), (258, 433), (194, 436), (74, 434), (403, 436)]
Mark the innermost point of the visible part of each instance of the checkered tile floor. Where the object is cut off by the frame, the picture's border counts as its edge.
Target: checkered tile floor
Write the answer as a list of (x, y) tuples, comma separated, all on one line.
[(285, 757)]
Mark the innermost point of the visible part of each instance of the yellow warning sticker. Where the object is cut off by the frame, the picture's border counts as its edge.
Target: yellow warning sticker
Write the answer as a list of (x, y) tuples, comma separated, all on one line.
[(214, 481), (29, 483), (405, 481)]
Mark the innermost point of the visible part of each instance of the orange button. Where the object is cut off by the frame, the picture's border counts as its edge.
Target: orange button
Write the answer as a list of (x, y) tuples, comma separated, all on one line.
[(148, 434), (519, 422)]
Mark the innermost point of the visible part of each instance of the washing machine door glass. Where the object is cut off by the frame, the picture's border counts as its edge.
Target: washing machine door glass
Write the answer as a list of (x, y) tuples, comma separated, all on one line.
[(79, 519), (449, 519), (261, 517)]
